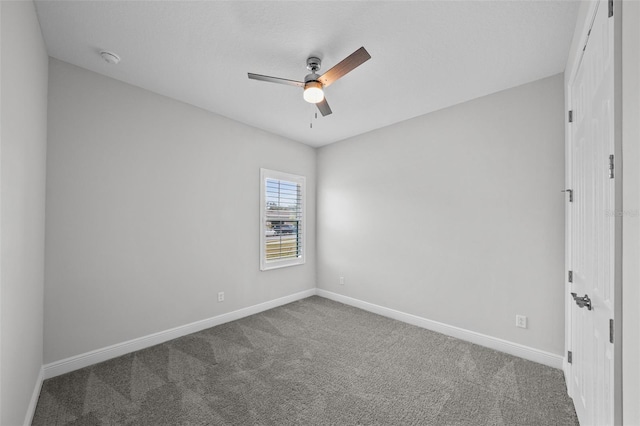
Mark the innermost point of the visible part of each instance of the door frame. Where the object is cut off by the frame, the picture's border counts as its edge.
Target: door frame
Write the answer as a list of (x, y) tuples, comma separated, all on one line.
[(583, 25)]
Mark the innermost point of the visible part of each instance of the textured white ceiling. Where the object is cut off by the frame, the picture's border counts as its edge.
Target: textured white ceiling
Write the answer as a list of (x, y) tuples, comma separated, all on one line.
[(425, 55)]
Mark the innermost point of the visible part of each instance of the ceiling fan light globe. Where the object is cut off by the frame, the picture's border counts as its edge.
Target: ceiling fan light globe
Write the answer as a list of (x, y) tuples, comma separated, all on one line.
[(313, 92)]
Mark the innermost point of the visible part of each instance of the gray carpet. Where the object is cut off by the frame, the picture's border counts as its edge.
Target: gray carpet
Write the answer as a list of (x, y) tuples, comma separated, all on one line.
[(311, 362)]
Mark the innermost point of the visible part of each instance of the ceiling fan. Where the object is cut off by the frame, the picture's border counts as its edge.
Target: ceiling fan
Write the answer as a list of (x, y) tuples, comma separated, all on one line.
[(314, 84)]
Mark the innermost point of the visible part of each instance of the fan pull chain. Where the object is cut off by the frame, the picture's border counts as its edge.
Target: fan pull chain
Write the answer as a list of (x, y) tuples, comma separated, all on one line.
[(311, 118)]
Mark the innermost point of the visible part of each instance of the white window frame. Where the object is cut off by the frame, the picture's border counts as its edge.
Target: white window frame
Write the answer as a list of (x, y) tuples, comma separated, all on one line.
[(265, 264)]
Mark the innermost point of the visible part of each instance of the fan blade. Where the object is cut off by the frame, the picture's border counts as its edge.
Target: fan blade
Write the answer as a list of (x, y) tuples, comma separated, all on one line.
[(324, 108), (275, 80), (348, 64)]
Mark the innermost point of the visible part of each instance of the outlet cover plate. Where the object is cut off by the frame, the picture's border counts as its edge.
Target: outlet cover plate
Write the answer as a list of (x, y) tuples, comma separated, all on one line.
[(521, 321)]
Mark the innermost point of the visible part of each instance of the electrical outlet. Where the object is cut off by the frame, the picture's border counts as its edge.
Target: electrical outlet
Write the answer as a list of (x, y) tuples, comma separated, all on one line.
[(521, 321), (341, 280), (221, 296)]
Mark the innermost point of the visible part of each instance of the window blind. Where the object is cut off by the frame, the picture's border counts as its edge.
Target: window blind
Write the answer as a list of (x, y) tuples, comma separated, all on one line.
[(283, 219)]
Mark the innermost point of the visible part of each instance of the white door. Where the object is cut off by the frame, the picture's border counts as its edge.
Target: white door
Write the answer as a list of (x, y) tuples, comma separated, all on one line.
[(592, 226)]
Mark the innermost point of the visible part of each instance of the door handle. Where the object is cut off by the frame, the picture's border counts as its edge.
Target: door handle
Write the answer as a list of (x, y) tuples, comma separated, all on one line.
[(583, 301)]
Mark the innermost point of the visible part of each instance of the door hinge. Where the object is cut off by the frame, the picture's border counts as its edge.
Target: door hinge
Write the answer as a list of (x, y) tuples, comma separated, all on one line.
[(611, 167), (610, 8), (611, 331), (570, 191), (569, 357), (570, 277), (571, 116)]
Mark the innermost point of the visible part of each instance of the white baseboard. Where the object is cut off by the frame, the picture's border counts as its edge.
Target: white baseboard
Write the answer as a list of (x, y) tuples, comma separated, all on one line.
[(31, 410), (89, 358), (505, 346)]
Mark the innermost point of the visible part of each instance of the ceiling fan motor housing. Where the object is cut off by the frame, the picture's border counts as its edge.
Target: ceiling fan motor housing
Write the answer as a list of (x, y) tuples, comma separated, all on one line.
[(311, 77), (311, 80)]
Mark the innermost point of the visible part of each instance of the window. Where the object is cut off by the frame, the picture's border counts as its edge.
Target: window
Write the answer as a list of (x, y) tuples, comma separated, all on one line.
[(282, 219)]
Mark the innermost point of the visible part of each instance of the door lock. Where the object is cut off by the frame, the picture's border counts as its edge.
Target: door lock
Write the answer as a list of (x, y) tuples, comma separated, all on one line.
[(583, 301)]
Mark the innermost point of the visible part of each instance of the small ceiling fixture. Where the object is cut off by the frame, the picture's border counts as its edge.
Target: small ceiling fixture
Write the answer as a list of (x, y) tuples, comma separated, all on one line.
[(314, 84), (110, 57)]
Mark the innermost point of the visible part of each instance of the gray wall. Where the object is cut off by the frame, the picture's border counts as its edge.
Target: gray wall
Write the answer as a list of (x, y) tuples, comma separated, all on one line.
[(152, 209), (23, 151), (455, 216)]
